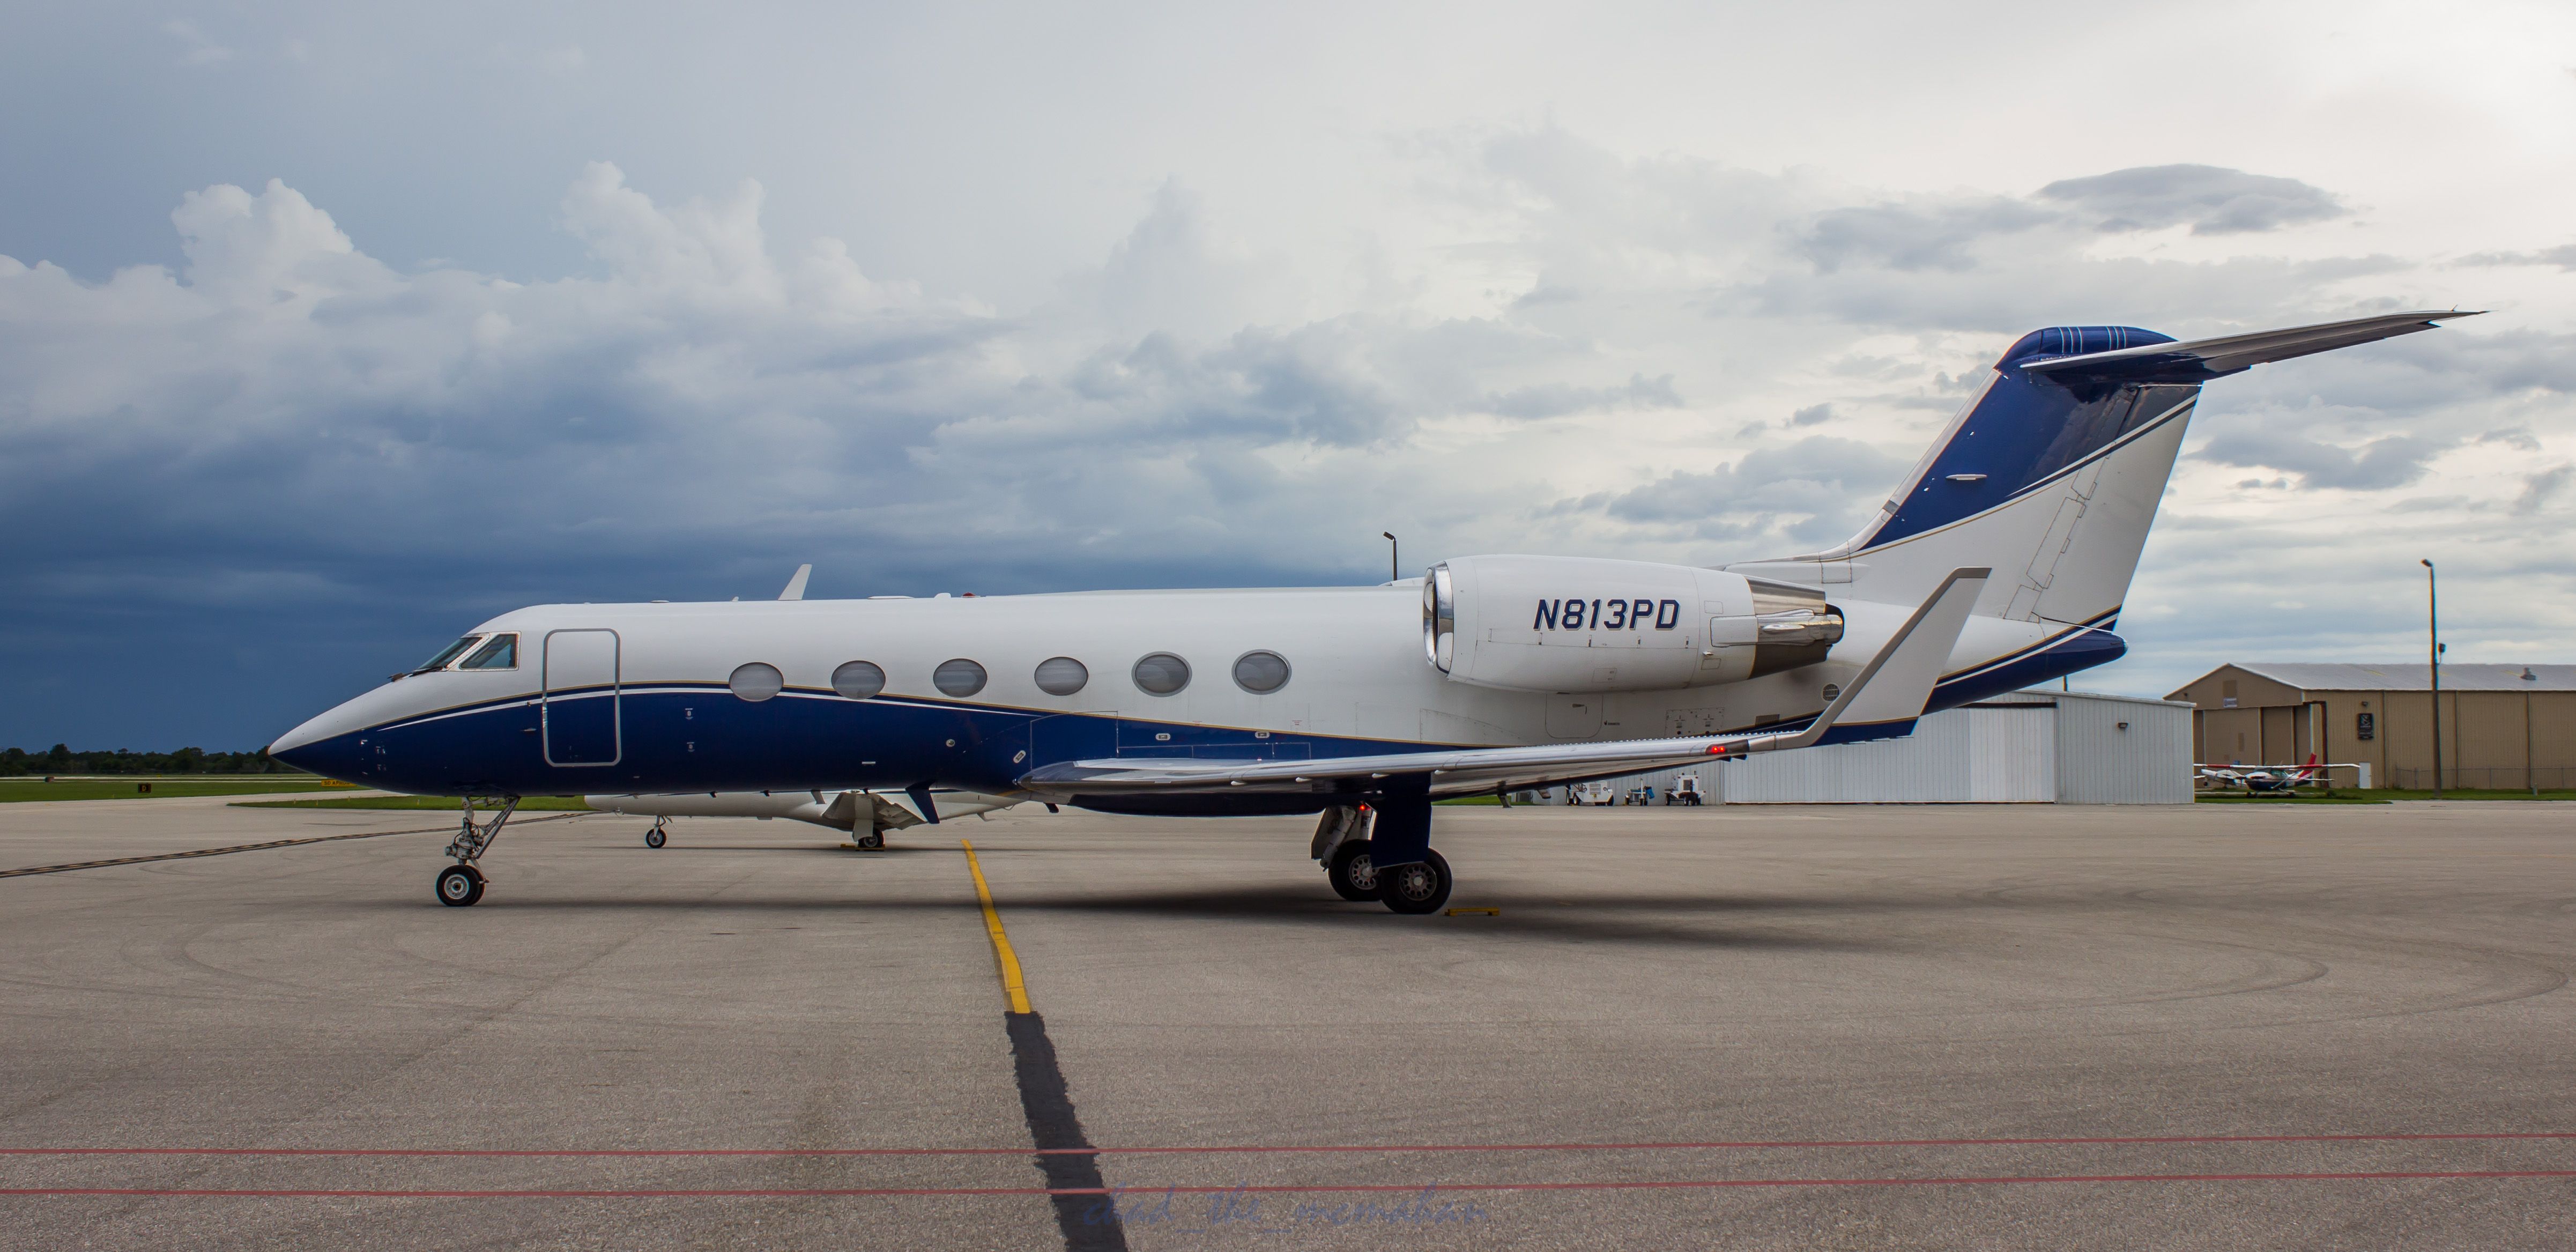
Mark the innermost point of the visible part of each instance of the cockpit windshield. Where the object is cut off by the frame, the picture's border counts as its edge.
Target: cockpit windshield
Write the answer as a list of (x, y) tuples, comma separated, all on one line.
[(448, 653), (502, 652)]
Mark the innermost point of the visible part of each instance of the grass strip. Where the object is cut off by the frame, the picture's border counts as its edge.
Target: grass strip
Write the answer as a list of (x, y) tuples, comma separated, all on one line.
[(531, 804), (21, 790)]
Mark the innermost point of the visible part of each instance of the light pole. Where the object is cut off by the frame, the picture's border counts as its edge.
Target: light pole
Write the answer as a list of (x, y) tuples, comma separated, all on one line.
[(2433, 666), (1394, 566)]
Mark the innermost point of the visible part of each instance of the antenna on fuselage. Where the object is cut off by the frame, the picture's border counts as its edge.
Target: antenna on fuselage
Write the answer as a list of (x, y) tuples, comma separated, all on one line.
[(1394, 564)]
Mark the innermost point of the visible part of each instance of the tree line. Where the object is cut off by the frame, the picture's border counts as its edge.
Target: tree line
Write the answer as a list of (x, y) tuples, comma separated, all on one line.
[(16, 762)]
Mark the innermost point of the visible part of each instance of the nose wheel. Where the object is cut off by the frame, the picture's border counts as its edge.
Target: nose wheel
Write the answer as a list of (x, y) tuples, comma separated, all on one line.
[(654, 838), (459, 885)]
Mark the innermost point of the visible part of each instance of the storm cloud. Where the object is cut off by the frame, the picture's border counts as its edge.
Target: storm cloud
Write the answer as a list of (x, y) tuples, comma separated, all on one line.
[(2209, 199), (331, 339)]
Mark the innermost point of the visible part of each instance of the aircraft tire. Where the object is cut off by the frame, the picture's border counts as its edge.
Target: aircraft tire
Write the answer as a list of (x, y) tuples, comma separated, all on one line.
[(1421, 887), (459, 886), (1352, 876), (654, 838), (872, 840)]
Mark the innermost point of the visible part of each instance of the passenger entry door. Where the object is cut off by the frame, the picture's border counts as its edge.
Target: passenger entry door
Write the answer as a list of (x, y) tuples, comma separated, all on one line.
[(579, 710)]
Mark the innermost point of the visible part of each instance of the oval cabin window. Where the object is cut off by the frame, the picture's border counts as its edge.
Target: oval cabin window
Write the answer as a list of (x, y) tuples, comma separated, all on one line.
[(1261, 672), (1161, 674), (756, 682), (1062, 676), (960, 677), (858, 680)]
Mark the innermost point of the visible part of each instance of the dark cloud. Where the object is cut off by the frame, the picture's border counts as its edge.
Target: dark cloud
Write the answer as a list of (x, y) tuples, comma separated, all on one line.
[(286, 449), (2376, 466), (2537, 489), (1557, 399), (1814, 491), (2563, 256), (1911, 237), (2211, 199)]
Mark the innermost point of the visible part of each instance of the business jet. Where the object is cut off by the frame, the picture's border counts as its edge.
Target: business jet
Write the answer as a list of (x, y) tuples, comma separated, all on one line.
[(1999, 561)]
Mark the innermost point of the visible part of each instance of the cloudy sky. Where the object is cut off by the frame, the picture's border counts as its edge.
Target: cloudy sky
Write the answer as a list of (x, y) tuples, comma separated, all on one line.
[(325, 334)]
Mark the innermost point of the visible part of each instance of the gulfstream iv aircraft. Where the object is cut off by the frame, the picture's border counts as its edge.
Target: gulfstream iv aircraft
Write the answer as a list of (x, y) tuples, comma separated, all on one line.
[(2000, 561)]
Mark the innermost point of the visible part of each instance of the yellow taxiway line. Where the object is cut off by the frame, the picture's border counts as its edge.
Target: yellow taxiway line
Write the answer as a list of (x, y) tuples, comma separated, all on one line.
[(1012, 986)]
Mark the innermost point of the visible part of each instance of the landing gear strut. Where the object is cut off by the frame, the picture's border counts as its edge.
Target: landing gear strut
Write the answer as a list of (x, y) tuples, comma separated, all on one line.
[(655, 837), (461, 884)]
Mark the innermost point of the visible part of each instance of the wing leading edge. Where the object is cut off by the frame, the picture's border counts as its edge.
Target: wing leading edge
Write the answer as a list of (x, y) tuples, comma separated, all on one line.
[(1882, 702)]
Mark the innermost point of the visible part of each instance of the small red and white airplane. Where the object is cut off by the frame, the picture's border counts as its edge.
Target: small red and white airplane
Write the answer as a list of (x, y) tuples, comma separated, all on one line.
[(2265, 781)]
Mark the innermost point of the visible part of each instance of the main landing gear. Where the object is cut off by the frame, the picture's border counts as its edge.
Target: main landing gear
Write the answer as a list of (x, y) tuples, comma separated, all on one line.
[(1421, 887), (1342, 843), (655, 837), (1353, 876), (461, 884)]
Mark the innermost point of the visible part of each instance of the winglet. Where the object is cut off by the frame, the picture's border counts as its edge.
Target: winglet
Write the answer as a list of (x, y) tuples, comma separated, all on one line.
[(796, 585), (1898, 681)]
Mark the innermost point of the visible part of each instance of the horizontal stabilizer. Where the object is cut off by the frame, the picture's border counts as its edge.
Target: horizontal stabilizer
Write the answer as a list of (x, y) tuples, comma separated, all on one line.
[(2203, 359)]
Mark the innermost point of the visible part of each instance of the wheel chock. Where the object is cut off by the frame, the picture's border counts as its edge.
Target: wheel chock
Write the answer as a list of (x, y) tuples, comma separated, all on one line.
[(1466, 912)]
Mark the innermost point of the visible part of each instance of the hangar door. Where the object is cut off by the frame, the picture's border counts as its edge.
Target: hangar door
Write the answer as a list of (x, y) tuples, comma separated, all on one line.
[(2012, 753), (579, 710)]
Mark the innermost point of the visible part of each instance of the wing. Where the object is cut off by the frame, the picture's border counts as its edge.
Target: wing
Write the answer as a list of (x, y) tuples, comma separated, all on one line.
[(2212, 358), (1883, 702)]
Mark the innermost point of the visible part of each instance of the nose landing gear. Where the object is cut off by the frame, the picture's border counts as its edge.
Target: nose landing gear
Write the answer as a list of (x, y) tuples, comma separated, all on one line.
[(461, 884), (655, 837)]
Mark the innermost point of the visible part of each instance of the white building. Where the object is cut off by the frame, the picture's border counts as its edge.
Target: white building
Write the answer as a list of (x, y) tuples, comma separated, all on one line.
[(2025, 747)]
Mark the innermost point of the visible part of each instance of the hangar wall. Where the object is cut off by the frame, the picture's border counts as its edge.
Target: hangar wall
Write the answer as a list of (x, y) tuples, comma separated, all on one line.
[(2504, 726), (2026, 747)]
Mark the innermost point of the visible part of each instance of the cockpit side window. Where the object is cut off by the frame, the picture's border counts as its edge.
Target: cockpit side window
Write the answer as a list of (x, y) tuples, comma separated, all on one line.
[(501, 652), (446, 654)]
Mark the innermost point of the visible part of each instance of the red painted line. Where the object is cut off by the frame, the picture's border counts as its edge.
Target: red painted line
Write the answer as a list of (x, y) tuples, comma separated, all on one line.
[(1409, 1188), (1387, 1149)]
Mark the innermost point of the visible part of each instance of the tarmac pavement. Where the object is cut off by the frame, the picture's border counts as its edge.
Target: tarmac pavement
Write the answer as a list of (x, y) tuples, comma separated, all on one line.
[(1757, 1027)]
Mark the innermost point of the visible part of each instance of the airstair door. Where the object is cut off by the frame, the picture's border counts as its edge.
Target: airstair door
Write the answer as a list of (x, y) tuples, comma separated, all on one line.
[(580, 709)]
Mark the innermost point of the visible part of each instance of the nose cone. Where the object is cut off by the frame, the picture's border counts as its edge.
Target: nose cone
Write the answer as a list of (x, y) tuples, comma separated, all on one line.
[(312, 731), (328, 744), (312, 748)]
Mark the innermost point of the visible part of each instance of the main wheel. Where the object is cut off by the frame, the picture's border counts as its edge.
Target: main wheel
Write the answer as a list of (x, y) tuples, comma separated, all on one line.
[(872, 840), (654, 838), (1352, 875), (459, 885), (1421, 887)]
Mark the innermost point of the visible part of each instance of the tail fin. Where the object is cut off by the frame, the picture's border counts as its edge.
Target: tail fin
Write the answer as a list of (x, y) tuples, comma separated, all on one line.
[(2051, 473)]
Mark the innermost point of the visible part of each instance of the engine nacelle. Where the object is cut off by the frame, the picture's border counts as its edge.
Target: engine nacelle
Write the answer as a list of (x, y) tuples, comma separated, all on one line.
[(1576, 624)]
